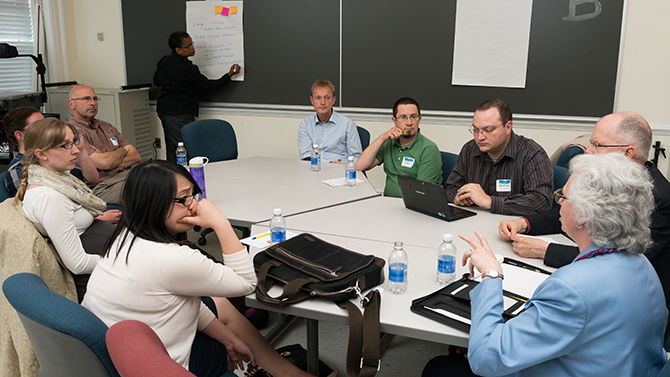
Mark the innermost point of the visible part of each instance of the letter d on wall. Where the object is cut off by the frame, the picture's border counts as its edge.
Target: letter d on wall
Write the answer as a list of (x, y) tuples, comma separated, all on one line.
[(583, 17)]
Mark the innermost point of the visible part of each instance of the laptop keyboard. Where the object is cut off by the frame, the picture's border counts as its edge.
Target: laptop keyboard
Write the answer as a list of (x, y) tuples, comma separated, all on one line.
[(458, 213)]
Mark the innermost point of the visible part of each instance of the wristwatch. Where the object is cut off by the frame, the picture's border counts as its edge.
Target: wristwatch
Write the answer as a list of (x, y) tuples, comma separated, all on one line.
[(493, 274)]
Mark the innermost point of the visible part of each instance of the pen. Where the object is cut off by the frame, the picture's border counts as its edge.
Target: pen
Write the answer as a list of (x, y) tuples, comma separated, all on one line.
[(261, 235), (526, 266)]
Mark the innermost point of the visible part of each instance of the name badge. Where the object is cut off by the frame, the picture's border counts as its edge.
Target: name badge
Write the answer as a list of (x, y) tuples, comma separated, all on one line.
[(114, 141), (407, 162), (503, 185)]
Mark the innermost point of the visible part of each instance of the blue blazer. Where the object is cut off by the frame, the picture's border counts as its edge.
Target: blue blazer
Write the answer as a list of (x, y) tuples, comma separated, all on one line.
[(601, 316)]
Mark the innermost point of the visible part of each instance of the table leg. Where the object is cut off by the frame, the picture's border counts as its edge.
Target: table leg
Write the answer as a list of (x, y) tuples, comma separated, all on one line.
[(313, 346)]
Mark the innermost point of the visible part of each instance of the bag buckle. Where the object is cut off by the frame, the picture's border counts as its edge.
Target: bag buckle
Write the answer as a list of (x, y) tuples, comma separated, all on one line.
[(359, 293), (379, 363)]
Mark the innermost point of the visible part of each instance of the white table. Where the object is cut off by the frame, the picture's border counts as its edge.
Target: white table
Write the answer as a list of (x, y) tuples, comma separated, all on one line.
[(370, 227), (247, 190), (386, 219)]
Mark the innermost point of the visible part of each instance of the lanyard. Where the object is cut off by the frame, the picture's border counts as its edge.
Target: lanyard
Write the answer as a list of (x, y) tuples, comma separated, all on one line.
[(595, 253)]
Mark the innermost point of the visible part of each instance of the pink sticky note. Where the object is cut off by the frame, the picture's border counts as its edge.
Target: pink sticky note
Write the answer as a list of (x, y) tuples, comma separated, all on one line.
[(225, 11), (233, 10), (217, 9)]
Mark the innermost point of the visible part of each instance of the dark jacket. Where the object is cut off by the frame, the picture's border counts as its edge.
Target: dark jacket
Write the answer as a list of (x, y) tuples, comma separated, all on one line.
[(180, 80)]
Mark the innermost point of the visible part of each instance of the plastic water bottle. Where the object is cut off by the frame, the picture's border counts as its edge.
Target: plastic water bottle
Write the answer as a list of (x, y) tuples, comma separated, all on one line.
[(446, 260), (398, 269), (181, 155), (350, 172), (316, 158), (277, 227)]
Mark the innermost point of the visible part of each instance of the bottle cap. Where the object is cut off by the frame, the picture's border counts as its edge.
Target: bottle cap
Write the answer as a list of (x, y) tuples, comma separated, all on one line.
[(199, 161), (277, 212), (398, 244), (351, 158), (180, 144), (447, 237), (315, 146)]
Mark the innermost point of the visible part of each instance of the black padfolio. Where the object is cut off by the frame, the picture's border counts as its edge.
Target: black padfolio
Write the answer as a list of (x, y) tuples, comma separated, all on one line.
[(455, 299), (311, 267)]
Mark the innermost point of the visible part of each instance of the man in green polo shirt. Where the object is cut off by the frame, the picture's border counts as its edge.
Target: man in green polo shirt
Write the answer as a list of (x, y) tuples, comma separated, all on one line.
[(403, 150)]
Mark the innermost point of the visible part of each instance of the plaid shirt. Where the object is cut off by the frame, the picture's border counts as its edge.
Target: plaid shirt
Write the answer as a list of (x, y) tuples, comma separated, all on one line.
[(524, 162)]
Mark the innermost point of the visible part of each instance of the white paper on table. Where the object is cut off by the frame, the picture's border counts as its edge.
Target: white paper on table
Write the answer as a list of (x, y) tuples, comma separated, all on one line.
[(545, 239), (263, 240), (519, 280), (491, 43), (335, 182), (450, 315), (219, 39)]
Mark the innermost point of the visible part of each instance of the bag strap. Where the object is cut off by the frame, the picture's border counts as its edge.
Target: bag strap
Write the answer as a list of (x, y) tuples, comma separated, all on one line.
[(291, 294), (363, 358)]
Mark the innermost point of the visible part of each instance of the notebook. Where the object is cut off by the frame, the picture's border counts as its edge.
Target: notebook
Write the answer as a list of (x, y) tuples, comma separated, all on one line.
[(429, 199)]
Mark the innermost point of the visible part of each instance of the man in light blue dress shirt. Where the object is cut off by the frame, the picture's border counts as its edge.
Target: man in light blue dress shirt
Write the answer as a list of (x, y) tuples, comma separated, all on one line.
[(335, 134)]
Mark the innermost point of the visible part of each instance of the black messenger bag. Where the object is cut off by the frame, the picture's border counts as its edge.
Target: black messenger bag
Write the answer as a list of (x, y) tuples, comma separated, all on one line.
[(310, 267)]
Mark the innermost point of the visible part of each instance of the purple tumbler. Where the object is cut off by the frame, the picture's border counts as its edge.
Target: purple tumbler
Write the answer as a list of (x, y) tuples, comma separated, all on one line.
[(197, 167)]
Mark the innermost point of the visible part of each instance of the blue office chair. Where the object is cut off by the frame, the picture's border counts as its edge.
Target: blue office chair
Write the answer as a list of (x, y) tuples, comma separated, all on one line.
[(214, 139), (561, 176), (67, 338), (448, 163), (4, 194), (364, 135), (568, 154), (665, 372)]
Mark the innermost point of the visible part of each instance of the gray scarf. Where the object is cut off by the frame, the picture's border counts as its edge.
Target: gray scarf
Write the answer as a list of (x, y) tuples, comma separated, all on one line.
[(68, 185)]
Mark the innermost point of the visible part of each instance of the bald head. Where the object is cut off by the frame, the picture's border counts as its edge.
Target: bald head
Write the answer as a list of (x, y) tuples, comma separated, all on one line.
[(83, 102), (623, 128)]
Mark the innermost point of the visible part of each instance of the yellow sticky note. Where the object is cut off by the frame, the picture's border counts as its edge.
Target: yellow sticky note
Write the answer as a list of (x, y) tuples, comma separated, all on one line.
[(217, 9), (233, 10)]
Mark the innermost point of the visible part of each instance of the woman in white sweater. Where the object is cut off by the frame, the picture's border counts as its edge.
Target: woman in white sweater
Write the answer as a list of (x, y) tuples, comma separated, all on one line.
[(147, 274), (60, 205)]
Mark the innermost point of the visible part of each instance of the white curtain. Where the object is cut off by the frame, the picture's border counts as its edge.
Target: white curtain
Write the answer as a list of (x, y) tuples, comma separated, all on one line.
[(52, 43)]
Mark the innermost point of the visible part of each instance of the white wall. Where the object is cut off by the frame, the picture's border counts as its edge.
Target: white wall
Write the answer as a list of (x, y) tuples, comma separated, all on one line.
[(93, 62), (643, 86)]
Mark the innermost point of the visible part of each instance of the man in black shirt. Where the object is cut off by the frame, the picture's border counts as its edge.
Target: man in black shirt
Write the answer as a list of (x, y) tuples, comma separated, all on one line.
[(180, 80)]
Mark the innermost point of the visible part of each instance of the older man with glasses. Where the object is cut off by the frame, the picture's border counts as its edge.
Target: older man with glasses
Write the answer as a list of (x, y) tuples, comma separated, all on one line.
[(626, 133), (499, 170), (110, 152)]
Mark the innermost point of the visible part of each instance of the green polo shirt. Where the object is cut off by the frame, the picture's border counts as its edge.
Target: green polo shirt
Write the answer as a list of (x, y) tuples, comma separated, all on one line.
[(419, 159)]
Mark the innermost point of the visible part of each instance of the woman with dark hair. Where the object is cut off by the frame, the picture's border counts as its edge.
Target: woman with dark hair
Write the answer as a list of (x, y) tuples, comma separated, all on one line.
[(13, 127), (147, 274), (59, 204)]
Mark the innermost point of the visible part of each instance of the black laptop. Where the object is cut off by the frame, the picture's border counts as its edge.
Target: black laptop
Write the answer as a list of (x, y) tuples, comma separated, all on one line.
[(429, 199)]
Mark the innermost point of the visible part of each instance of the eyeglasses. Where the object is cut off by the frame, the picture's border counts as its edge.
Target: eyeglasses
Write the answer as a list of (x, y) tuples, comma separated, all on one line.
[(598, 145), (87, 99), (413, 117), (190, 47), (69, 144), (187, 200), (558, 195), (486, 131)]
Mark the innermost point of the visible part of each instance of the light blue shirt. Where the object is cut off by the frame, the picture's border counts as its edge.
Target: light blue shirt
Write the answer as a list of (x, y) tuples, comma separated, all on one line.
[(337, 138), (601, 316)]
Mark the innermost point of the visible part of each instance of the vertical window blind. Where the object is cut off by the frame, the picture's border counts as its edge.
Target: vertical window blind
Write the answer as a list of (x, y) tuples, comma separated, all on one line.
[(16, 28)]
